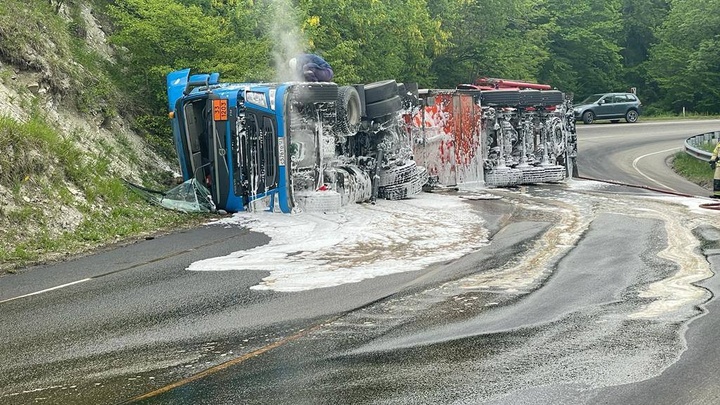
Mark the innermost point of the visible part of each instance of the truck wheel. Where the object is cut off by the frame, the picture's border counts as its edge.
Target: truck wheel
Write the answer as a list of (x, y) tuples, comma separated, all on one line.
[(319, 201), (348, 111), (379, 91), (412, 186), (383, 108), (400, 172)]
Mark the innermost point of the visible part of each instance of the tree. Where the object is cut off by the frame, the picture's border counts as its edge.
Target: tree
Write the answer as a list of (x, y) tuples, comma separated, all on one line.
[(584, 46), (491, 39), (158, 36), (641, 18), (686, 60), (371, 40)]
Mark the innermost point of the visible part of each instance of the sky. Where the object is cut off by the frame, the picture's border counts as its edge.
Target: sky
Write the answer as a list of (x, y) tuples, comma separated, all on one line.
[(315, 250)]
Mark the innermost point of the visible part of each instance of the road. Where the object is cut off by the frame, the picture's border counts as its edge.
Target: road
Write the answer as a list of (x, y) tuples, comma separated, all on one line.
[(638, 153), (576, 293)]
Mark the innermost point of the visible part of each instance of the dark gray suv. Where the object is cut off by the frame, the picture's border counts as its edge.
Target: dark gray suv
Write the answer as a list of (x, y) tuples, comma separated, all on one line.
[(608, 106)]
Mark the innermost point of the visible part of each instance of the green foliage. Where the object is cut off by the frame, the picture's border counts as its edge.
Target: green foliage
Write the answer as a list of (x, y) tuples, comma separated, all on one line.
[(686, 59), (26, 150), (156, 36), (34, 37), (584, 46), (38, 161), (666, 49), (159, 36), (490, 39), (156, 131)]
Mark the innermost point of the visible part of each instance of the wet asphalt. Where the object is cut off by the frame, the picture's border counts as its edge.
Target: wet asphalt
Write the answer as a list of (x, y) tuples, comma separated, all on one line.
[(568, 340), (554, 345), (503, 325)]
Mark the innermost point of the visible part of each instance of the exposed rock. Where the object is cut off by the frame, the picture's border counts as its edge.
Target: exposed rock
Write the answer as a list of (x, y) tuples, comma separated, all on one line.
[(34, 88)]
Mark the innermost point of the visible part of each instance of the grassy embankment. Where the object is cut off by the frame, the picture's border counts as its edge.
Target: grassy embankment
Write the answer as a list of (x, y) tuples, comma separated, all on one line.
[(60, 200), (695, 170), (61, 191)]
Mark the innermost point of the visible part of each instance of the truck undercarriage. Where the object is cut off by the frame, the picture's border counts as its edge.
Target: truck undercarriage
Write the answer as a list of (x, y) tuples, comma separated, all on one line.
[(320, 146)]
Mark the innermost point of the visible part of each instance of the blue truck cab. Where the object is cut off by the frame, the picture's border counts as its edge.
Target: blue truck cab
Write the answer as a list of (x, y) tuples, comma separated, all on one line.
[(314, 146), (233, 137)]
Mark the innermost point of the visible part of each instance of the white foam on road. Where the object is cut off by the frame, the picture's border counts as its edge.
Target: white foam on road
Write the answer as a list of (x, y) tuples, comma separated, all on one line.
[(315, 250)]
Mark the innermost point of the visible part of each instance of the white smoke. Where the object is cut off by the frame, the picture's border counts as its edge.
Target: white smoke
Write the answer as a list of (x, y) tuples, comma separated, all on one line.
[(289, 40)]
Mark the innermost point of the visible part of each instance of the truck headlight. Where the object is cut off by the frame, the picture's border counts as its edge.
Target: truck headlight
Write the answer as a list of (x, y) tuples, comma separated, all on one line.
[(256, 98)]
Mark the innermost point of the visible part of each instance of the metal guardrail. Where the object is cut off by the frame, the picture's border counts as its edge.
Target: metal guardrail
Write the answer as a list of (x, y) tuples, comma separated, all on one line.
[(692, 145)]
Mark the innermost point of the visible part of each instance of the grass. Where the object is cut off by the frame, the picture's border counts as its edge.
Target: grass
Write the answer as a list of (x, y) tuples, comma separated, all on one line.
[(41, 218), (56, 197), (693, 169), (674, 117)]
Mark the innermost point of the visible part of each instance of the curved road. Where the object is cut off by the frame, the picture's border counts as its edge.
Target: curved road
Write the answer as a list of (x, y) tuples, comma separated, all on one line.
[(583, 294), (638, 153)]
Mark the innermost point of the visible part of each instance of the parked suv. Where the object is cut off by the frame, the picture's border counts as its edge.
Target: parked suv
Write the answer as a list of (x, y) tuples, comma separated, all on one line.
[(608, 106)]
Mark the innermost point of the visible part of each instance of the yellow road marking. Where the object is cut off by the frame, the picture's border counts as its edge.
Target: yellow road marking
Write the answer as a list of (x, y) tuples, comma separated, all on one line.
[(227, 364)]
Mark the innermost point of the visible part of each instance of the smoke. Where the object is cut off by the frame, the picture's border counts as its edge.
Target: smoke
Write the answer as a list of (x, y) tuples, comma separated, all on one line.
[(288, 39)]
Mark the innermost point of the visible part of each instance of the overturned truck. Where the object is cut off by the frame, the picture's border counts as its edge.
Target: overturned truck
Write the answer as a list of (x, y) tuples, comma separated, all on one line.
[(320, 146)]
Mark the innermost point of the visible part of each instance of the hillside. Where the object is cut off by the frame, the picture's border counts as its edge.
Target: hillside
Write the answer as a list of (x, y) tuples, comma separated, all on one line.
[(67, 140)]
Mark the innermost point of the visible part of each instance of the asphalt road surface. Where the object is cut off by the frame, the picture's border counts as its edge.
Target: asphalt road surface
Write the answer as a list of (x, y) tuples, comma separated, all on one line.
[(638, 153), (586, 292)]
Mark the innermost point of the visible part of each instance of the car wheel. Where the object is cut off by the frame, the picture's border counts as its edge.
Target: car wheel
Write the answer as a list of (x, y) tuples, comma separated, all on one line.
[(631, 116), (588, 117)]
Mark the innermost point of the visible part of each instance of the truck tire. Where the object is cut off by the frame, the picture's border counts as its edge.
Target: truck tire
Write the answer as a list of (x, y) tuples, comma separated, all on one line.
[(398, 173), (348, 111), (353, 184), (379, 91), (413, 185), (383, 108), (319, 201)]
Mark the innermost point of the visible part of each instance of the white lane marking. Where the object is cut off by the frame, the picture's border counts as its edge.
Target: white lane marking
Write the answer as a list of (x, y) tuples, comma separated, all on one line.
[(635, 162), (45, 290)]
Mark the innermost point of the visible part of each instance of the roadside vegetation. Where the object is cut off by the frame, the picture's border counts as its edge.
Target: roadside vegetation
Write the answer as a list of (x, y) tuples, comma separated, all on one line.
[(60, 200), (65, 147), (693, 169)]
